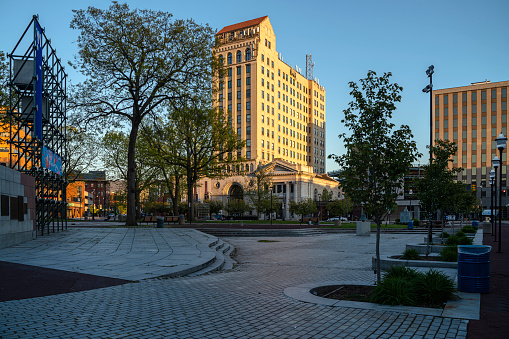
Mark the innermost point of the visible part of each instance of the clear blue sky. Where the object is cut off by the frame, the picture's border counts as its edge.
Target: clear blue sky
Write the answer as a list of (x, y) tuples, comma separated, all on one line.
[(467, 41)]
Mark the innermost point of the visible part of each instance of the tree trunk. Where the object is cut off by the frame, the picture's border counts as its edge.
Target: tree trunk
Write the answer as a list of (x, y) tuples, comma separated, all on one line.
[(378, 274), (131, 176)]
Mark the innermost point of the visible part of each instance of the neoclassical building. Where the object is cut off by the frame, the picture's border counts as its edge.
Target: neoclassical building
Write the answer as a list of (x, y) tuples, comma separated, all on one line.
[(291, 182)]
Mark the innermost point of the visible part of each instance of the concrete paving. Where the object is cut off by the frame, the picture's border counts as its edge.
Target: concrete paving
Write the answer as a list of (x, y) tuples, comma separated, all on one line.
[(246, 302), (123, 253)]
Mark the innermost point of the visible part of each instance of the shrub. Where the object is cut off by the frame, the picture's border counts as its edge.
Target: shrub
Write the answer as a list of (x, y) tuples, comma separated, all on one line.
[(410, 254), (449, 253), (468, 229), (444, 235), (434, 287), (460, 234), (465, 241), (452, 241), (394, 291), (416, 222), (400, 272), (397, 220)]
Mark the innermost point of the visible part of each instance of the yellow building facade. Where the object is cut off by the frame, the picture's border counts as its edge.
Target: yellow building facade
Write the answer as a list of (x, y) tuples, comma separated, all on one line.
[(277, 110)]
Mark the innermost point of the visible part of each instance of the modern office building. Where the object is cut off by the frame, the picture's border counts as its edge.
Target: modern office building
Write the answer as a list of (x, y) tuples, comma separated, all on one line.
[(277, 110), (473, 117)]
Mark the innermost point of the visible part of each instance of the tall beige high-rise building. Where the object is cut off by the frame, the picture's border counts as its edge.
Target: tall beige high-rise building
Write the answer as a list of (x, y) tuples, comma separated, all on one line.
[(274, 107), (473, 117)]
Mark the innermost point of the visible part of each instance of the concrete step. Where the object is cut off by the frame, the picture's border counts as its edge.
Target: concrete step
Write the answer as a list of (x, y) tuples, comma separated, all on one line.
[(219, 232), (222, 260)]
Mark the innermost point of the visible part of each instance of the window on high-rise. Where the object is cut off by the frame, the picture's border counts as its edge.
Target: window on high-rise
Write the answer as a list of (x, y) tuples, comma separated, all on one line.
[(248, 93), (239, 70), (248, 68), (229, 59), (493, 106), (239, 56), (474, 96), (230, 72), (464, 97), (504, 92), (248, 80), (455, 98), (248, 54), (446, 99), (483, 95)]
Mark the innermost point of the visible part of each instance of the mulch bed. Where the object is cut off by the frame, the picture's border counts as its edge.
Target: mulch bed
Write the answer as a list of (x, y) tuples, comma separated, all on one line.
[(345, 292)]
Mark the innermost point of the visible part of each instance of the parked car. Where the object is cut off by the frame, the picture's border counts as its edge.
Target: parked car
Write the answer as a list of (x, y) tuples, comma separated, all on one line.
[(343, 219), (333, 219)]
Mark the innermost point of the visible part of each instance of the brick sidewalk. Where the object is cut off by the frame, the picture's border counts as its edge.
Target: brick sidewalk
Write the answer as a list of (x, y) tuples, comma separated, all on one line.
[(494, 305)]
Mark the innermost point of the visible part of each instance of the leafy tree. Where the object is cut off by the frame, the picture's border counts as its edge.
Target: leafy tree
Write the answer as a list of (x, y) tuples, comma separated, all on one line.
[(340, 207), (326, 195), (197, 139), (135, 62), (303, 207), (377, 156), (237, 207), (215, 206), (258, 190), (434, 188)]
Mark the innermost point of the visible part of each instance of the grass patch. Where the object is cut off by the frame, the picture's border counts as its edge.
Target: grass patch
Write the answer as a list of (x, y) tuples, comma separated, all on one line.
[(410, 254)]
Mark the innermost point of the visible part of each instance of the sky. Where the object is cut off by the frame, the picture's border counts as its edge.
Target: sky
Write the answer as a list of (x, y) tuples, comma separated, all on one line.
[(467, 41)]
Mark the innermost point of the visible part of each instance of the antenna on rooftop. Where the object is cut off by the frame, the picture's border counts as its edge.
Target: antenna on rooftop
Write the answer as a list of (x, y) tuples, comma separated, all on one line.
[(309, 67)]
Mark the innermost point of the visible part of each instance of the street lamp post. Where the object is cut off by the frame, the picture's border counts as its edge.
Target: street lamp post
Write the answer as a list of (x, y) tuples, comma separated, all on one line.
[(93, 204), (501, 144), (496, 163), (410, 194), (429, 89), (271, 190), (319, 209), (492, 182)]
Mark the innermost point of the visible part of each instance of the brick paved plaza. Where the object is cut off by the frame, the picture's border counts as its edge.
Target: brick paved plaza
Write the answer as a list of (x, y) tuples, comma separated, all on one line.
[(246, 302)]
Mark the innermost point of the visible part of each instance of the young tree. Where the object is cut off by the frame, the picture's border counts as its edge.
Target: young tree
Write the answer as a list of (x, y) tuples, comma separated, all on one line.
[(377, 156), (4, 79), (215, 206), (82, 150), (434, 188), (258, 190), (237, 207), (326, 195), (340, 207), (303, 207), (136, 61)]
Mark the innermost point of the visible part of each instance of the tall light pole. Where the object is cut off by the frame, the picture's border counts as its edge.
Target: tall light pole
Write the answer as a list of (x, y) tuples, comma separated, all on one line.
[(501, 144), (93, 204), (496, 163), (319, 196), (271, 190), (429, 89), (410, 194), (492, 183)]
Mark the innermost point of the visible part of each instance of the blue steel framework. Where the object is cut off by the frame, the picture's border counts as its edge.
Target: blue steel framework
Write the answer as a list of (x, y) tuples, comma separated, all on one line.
[(37, 117)]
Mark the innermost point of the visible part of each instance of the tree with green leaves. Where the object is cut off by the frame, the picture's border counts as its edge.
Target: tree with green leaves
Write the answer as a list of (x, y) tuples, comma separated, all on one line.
[(196, 138), (303, 207), (215, 206), (326, 195), (258, 190), (135, 62), (237, 207), (81, 150), (435, 188), (377, 155), (340, 207), (4, 80)]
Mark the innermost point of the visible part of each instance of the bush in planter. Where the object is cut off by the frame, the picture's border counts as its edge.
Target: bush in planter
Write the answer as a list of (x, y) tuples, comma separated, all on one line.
[(449, 253), (394, 291), (397, 220), (400, 272), (465, 241), (444, 235), (416, 222), (453, 240), (460, 234), (468, 229), (434, 287), (410, 254)]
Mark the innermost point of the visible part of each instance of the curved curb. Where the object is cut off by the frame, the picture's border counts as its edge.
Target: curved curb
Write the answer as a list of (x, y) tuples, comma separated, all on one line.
[(467, 306)]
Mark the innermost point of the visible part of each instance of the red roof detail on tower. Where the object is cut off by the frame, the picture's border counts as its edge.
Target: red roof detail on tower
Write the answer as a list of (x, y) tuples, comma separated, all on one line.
[(242, 25)]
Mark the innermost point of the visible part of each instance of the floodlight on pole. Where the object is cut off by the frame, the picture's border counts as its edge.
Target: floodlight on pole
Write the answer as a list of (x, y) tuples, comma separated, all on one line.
[(492, 186)]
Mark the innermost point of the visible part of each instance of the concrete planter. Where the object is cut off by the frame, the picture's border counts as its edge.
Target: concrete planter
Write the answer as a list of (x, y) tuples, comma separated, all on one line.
[(363, 228), (386, 262), (337, 223), (421, 248)]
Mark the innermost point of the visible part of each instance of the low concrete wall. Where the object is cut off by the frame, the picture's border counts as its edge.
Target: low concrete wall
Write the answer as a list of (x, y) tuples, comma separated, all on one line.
[(17, 220)]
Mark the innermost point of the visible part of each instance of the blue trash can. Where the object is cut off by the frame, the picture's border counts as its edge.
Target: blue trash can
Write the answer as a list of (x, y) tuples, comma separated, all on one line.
[(410, 224), (475, 224), (160, 222), (474, 268)]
